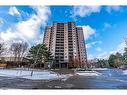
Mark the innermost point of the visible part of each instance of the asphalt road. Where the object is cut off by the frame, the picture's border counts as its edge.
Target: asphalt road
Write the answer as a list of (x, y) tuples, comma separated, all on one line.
[(110, 79)]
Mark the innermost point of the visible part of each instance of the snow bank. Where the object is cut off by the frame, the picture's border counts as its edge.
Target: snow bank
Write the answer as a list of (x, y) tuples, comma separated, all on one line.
[(37, 75), (88, 73), (100, 69), (125, 72)]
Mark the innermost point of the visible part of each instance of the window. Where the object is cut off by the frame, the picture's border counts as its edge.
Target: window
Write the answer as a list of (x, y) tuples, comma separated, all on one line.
[(65, 56)]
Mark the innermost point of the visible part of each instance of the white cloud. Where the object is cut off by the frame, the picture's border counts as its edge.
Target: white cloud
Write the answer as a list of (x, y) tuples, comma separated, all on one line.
[(88, 31), (103, 55), (89, 45), (1, 21), (106, 54), (28, 30), (90, 56), (109, 9), (8, 35), (107, 25), (84, 11), (119, 48), (98, 49), (13, 11)]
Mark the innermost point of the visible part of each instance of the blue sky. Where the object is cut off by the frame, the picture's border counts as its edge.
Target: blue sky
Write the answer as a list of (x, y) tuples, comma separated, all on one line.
[(105, 27)]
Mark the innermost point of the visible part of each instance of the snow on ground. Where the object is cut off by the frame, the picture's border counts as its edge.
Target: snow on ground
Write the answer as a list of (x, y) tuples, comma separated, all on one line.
[(88, 73), (125, 72), (100, 69), (37, 75)]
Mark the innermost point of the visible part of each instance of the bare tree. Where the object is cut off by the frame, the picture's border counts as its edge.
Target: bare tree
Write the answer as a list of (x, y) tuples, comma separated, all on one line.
[(18, 50), (23, 50), (15, 48), (1, 48)]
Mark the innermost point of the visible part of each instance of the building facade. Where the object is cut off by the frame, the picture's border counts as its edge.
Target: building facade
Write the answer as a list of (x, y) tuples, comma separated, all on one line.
[(66, 43)]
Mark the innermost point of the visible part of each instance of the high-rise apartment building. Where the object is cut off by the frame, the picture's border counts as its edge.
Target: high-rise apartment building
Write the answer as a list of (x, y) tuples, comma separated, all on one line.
[(66, 43)]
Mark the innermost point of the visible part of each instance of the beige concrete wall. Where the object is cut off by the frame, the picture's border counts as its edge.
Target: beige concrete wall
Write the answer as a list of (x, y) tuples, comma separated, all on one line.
[(53, 41), (66, 59), (75, 46), (79, 44), (47, 36), (81, 47)]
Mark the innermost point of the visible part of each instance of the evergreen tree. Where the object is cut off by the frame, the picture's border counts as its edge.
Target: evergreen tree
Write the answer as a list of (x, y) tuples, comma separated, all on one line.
[(39, 54)]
